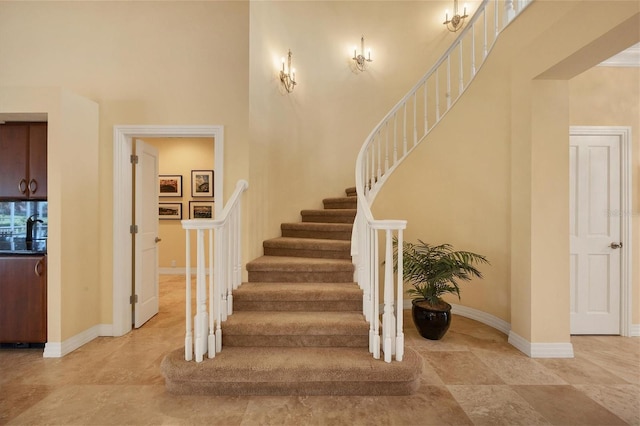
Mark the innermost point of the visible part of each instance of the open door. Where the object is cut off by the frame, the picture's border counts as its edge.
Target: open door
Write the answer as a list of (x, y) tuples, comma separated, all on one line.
[(146, 289)]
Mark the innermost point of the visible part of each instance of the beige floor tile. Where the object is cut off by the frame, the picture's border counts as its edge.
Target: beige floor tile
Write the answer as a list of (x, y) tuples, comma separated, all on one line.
[(18, 398), (565, 405), (316, 410), (461, 368), (621, 400), (580, 370), (518, 369), (496, 405), (116, 380)]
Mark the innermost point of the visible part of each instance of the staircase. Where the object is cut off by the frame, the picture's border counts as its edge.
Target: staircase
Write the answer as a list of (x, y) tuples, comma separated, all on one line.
[(297, 326)]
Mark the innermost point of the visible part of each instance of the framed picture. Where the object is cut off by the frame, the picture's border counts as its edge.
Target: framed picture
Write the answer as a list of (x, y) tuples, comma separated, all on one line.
[(171, 211), (170, 185), (202, 183), (201, 209)]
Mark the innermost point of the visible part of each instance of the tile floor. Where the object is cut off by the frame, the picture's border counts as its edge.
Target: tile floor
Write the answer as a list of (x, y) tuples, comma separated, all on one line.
[(472, 376)]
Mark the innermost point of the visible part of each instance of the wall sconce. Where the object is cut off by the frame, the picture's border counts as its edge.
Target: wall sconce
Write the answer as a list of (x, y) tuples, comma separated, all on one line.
[(360, 59), (457, 20), (288, 79)]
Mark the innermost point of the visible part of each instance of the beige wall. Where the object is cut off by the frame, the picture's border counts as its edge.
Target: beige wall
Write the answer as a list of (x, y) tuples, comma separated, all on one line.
[(606, 96), (474, 182), (179, 156), (159, 63), (493, 177), (73, 290), (304, 144)]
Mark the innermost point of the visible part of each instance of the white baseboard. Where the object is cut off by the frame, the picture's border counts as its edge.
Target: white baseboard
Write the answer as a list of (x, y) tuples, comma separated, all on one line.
[(541, 350), (483, 317), (60, 349), (474, 314), (634, 330)]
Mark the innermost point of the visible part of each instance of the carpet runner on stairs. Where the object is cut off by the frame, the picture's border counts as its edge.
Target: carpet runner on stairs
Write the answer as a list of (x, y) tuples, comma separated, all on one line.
[(297, 326)]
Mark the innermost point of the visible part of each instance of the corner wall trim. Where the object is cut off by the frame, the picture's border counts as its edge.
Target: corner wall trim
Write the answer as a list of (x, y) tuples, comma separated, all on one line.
[(60, 349), (541, 350)]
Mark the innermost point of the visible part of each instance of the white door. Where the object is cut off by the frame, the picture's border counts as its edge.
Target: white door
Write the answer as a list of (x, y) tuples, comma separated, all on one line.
[(146, 239), (595, 233)]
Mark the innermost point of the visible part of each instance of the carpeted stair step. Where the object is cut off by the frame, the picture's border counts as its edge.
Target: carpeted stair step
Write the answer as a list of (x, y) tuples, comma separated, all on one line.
[(331, 231), (291, 371), (278, 328), (351, 192), (297, 297), (308, 247), (298, 269), (340, 203), (329, 216)]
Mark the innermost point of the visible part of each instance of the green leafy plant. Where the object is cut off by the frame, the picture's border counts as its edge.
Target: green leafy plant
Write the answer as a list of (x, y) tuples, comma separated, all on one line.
[(436, 270)]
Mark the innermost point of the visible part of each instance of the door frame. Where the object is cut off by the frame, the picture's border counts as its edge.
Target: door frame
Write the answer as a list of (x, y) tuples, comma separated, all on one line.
[(624, 133), (122, 203)]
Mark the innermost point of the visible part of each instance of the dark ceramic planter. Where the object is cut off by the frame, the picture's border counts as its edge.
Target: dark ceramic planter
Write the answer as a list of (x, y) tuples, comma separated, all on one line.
[(432, 324)]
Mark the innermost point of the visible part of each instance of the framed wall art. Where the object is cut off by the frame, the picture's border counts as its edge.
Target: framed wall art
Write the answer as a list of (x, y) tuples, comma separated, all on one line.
[(170, 185), (170, 211), (202, 183), (201, 209)]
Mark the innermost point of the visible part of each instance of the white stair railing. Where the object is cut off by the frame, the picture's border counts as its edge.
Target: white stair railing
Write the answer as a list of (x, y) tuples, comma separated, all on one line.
[(390, 142), (225, 275)]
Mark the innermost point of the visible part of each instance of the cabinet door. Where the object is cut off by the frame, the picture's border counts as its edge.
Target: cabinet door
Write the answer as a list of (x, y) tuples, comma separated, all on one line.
[(38, 161), (13, 160), (23, 299)]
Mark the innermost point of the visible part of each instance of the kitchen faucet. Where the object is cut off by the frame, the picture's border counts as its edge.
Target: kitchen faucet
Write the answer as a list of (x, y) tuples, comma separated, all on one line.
[(31, 221)]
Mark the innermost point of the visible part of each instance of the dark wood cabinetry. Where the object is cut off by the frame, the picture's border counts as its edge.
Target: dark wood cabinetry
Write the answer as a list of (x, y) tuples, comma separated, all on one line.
[(23, 161), (23, 299)]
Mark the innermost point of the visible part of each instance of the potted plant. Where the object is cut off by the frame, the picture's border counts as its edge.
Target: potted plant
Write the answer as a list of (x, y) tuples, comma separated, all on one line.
[(434, 271)]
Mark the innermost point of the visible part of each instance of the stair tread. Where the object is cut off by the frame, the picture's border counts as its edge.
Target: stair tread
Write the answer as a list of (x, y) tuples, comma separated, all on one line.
[(329, 212), (298, 291), (318, 226), (291, 364), (279, 263), (315, 243), (276, 323)]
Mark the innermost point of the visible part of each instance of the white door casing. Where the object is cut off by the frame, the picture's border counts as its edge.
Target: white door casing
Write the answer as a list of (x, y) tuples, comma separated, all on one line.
[(146, 290), (599, 222), (122, 204)]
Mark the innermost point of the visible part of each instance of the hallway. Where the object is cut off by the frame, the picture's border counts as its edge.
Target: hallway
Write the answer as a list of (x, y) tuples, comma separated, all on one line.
[(472, 376)]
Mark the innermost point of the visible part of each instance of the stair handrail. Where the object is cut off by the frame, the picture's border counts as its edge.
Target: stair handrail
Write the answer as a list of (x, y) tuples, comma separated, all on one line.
[(225, 275), (379, 156)]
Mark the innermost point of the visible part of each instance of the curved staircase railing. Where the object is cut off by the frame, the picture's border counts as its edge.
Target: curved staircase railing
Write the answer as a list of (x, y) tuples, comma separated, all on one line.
[(390, 142), (226, 276)]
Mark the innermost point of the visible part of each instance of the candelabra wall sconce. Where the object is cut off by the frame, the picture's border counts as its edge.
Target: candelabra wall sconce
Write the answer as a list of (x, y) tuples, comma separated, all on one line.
[(288, 75), (359, 59), (457, 21)]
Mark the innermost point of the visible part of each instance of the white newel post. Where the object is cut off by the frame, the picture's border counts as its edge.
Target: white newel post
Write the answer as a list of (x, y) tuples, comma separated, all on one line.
[(399, 304), (211, 339), (388, 320), (188, 339)]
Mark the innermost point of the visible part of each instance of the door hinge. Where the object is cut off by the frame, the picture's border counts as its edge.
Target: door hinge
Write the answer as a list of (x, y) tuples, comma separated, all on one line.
[(133, 229), (133, 299), (134, 159)]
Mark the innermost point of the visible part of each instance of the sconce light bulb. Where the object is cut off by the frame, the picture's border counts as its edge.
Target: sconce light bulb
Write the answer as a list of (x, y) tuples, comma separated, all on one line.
[(446, 15)]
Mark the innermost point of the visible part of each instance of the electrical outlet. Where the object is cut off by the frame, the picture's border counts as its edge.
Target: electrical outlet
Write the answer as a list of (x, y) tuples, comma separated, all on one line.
[(173, 263)]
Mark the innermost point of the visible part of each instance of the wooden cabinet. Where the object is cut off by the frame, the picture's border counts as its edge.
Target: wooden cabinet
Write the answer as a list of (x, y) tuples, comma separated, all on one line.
[(23, 161), (23, 299)]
